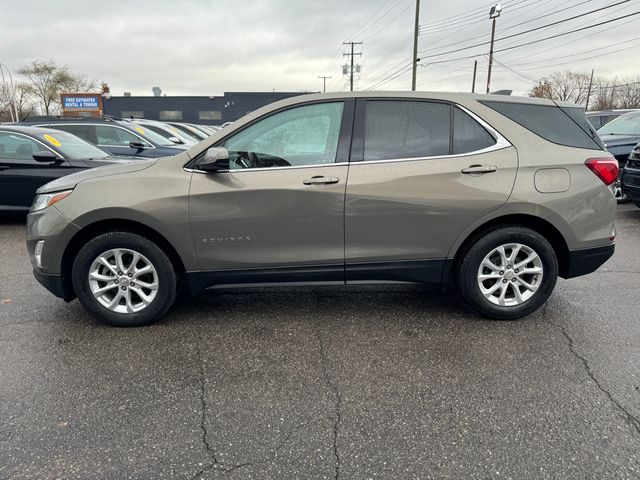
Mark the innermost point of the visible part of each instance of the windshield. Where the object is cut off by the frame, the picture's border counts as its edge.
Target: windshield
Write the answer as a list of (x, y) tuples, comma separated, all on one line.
[(625, 125), (152, 136), (70, 146)]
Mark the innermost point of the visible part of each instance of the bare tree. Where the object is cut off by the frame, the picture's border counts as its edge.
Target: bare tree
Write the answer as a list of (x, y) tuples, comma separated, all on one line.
[(563, 86), (46, 80), (628, 92)]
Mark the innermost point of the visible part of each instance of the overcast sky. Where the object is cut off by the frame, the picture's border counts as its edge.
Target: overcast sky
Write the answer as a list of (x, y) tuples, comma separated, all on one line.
[(197, 47)]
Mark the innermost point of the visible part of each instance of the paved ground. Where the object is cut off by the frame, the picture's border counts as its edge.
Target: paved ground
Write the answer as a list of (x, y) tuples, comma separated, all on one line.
[(324, 382)]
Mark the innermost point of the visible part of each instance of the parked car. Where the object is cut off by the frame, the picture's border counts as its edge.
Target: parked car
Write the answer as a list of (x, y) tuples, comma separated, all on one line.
[(169, 132), (620, 136), (598, 118), (184, 127), (631, 176), (117, 137), (497, 195), (31, 157), (208, 129)]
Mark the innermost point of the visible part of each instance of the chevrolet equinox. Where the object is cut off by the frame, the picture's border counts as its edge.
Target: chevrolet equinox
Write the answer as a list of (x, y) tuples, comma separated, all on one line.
[(496, 195)]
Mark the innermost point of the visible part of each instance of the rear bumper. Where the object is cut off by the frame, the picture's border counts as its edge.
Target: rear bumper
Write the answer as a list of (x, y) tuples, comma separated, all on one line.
[(582, 262)]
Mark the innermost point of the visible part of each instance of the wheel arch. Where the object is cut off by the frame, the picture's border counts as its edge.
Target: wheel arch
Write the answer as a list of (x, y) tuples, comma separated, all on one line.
[(110, 225), (538, 224)]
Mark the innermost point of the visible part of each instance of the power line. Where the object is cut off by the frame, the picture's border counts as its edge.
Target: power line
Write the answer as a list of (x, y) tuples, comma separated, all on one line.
[(530, 30)]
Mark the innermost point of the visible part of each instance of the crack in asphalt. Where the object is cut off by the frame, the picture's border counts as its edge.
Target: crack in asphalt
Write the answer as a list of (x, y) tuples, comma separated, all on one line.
[(215, 464), (338, 403), (625, 414)]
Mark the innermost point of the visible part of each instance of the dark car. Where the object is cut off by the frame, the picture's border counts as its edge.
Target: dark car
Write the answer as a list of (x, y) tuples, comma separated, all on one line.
[(599, 118), (620, 136), (631, 176), (31, 157), (117, 137)]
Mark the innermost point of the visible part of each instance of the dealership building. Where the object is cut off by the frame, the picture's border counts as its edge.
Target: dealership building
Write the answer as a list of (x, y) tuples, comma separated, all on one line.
[(213, 110)]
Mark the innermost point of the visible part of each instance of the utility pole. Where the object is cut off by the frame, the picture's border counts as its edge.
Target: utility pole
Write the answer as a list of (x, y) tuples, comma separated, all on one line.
[(493, 14), (351, 69), (589, 91), (324, 83), (415, 47), (475, 70)]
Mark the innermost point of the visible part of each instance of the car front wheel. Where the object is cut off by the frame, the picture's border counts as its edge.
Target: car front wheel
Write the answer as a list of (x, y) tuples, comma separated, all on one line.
[(124, 279), (507, 273)]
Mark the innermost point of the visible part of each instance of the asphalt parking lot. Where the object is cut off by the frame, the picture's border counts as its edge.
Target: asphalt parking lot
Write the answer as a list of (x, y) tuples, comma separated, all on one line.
[(366, 382)]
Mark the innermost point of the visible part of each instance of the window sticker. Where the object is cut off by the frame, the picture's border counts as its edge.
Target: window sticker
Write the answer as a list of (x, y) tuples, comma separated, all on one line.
[(52, 140), (140, 130)]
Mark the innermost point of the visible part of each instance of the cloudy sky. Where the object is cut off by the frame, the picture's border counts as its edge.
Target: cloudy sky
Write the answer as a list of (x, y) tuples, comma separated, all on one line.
[(197, 47)]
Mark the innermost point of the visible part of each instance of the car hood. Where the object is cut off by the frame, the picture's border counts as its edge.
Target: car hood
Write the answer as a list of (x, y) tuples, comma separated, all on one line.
[(70, 181)]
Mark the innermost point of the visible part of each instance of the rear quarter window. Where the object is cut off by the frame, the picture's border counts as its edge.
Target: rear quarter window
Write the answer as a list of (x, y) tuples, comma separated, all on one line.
[(560, 125)]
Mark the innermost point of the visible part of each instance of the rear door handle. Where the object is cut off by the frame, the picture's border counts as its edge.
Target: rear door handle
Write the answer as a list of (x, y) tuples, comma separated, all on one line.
[(479, 169), (320, 180)]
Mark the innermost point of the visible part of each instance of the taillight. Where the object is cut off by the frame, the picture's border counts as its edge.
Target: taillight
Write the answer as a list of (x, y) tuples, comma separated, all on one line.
[(606, 169)]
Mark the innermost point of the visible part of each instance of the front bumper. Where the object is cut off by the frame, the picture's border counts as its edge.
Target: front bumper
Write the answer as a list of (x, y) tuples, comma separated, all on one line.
[(56, 231), (588, 260), (52, 282)]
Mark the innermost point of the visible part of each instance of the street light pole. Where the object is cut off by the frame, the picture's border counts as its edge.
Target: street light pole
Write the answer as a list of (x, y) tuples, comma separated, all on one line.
[(415, 47), (493, 14)]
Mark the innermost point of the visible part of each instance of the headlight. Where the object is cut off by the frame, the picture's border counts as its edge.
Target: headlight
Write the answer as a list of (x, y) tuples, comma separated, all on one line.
[(47, 199)]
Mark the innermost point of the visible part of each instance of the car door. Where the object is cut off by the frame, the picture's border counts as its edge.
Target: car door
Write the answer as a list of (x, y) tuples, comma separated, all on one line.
[(277, 214), (20, 174), (421, 172), (116, 140)]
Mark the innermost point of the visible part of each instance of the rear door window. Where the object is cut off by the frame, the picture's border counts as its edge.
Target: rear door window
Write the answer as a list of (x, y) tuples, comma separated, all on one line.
[(396, 129), (469, 135)]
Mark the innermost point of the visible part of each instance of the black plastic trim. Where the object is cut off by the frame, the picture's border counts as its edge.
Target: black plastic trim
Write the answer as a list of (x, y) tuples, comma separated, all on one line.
[(412, 271), (51, 282), (582, 262), (406, 271)]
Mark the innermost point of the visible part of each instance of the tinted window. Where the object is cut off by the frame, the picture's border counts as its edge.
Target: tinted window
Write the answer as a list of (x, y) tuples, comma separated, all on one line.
[(16, 146), (406, 129), (306, 135), (565, 127), (85, 132), (469, 135)]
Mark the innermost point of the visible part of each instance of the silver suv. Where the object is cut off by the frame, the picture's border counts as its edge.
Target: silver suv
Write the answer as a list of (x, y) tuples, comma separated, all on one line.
[(496, 195)]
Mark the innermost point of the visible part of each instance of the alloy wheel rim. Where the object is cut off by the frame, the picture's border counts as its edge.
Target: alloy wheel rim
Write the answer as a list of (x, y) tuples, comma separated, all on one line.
[(510, 274), (123, 280)]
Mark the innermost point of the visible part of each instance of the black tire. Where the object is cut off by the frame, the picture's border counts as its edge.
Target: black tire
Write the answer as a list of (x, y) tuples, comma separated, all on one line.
[(166, 275), (474, 254)]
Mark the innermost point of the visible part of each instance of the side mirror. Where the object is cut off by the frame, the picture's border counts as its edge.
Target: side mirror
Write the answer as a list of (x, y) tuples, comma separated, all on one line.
[(137, 145), (176, 140), (46, 156), (215, 159)]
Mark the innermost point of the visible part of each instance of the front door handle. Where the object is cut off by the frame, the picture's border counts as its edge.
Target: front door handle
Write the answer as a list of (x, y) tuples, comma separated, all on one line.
[(320, 180), (479, 169)]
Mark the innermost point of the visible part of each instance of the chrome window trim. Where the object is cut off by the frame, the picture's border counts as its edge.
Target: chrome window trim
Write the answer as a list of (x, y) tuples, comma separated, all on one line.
[(34, 140), (291, 167), (500, 144)]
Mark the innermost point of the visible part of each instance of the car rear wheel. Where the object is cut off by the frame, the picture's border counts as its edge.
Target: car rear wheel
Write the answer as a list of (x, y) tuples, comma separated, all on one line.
[(124, 279), (507, 273)]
